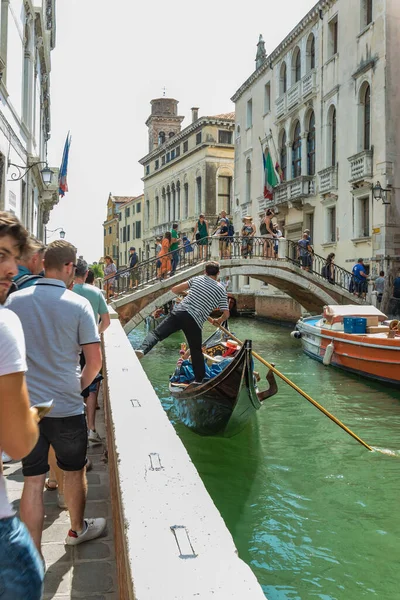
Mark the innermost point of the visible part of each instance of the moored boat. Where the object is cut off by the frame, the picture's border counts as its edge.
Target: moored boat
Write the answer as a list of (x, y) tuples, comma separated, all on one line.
[(357, 339), (224, 404)]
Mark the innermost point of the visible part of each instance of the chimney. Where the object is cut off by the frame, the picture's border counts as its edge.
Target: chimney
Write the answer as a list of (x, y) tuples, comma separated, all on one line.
[(195, 113)]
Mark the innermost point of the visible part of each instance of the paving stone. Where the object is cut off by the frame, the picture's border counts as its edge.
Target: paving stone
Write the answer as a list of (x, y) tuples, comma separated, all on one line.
[(95, 550), (93, 576), (54, 553), (98, 492), (56, 532), (93, 478), (96, 509), (58, 579)]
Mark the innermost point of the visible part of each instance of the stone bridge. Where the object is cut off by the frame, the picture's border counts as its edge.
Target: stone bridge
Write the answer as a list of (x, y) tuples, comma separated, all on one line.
[(310, 290)]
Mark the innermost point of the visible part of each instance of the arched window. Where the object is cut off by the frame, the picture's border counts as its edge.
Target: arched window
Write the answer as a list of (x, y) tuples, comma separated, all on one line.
[(161, 138), (157, 212), (283, 79), (169, 212), (171, 134), (296, 65), (333, 138), (367, 119), (164, 206), (296, 151), (185, 200), (311, 145), (178, 201), (173, 202), (198, 195), (248, 180), (283, 156), (312, 53)]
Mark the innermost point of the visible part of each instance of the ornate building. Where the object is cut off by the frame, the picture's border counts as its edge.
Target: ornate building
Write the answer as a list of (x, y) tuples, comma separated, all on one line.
[(187, 171), (325, 104), (27, 37)]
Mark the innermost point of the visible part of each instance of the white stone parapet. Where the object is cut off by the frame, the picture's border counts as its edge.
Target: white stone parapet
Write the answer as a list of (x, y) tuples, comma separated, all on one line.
[(176, 542)]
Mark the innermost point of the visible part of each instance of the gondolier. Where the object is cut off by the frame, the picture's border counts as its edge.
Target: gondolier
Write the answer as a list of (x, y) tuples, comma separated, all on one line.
[(205, 294)]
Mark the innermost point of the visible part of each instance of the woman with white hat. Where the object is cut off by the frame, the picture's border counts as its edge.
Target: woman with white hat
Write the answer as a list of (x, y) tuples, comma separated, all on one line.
[(248, 231)]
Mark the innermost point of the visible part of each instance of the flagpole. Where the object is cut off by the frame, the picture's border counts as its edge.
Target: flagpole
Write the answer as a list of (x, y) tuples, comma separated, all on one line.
[(273, 143)]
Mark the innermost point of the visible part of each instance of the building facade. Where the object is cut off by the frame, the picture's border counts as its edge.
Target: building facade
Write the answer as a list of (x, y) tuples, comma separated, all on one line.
[(187, 171), (27, 37), (324, 103), (130, 229), (111, 226)]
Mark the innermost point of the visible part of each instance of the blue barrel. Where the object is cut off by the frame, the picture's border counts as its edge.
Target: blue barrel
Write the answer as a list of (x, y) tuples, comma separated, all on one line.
[(355, 325)]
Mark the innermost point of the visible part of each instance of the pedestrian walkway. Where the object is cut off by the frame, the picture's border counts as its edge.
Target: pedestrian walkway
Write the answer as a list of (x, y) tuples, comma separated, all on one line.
[(86, 571)]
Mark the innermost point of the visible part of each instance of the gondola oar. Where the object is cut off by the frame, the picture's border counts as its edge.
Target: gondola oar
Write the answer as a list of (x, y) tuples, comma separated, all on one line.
[(295, 387)]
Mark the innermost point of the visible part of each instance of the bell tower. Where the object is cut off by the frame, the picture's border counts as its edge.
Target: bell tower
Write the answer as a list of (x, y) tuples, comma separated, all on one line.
[(164, 122)]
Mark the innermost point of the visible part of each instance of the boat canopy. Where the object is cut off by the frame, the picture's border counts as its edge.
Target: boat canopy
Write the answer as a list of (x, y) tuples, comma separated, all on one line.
[(335, 312)]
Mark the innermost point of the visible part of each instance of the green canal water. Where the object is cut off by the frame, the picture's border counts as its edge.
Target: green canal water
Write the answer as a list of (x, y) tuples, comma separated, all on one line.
[(312, 512)]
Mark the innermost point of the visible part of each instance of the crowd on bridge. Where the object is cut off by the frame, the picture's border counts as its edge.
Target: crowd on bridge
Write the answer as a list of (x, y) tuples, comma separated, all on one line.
[(51, 319)]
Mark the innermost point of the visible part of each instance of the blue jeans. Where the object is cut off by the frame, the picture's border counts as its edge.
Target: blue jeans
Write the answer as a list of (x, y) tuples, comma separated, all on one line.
[(21, 567), (174, 261)]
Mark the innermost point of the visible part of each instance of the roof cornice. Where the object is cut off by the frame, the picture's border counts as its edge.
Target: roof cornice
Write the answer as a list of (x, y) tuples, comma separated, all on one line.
[(309, 18), (170, 143)]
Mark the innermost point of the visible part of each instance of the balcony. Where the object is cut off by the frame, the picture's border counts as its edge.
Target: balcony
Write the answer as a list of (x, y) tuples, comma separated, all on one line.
[(295, 189), (360, 166), (328, 180), (297, 93)]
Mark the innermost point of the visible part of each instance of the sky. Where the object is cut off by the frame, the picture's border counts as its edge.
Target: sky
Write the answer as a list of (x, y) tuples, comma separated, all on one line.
[(112, 58)]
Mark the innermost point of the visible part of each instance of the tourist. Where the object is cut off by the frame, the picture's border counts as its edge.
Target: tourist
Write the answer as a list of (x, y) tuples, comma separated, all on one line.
[(22, 569), (267, 232), (223, 238), (109, 281), (222, 215), (307, 231), (174, 248), (205, 294), (379, 286), (102, 317), (277, 234), (164, 256), (396, 286), (57, 324), (360, 279), (90, 277), (304, 252), (247, 233), (328, 270), (200, 234), (133, 264), (188, 249), (30, 265)]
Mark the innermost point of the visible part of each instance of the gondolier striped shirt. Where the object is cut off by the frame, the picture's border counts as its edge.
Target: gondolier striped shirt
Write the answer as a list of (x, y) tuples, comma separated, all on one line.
[(205, 295)]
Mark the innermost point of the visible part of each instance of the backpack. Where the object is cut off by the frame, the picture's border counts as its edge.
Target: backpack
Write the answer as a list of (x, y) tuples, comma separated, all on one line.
[(231, 230), (324, 271)]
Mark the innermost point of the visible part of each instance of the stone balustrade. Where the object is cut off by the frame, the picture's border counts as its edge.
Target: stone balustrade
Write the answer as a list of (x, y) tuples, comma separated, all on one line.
[(361, 165), (327, 180)]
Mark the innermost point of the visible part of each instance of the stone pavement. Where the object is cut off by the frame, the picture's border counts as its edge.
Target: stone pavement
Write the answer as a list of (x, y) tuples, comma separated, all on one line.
[(86, 571)]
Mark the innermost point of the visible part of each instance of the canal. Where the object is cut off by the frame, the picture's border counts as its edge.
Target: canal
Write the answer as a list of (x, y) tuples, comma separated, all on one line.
[(311, 511)]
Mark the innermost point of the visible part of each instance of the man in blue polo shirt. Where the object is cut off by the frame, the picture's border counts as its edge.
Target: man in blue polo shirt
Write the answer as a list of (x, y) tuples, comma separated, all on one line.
[(360, 279)]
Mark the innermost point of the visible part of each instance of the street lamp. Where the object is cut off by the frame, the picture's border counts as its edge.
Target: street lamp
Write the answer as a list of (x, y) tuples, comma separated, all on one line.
[(60, 229), (46, 172), (380, 193)]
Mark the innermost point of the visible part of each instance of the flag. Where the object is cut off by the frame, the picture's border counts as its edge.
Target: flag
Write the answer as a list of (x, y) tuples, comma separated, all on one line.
[(279, 171), (270, 178), (62, 179)]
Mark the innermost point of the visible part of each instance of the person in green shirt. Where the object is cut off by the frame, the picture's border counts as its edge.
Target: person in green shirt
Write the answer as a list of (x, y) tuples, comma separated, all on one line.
[(174, 248)]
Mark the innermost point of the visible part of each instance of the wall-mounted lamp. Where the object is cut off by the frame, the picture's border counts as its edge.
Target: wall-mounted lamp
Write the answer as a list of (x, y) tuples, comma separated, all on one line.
[(46, 172), (380, 193)]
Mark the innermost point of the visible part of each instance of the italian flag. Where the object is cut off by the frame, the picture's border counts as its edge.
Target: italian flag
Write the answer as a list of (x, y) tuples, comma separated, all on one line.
[(270, 178)]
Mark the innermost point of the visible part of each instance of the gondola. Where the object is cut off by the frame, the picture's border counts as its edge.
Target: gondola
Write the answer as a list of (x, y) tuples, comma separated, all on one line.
[(223, 405)]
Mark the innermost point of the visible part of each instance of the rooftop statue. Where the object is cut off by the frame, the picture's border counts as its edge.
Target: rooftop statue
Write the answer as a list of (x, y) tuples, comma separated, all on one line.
[(261, 53)]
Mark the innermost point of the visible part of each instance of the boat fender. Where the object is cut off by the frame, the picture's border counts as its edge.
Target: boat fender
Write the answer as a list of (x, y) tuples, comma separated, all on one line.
[(328, 354), (296, 335)]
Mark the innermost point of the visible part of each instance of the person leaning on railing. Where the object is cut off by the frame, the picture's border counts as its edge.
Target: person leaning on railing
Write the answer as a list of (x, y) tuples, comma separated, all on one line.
[(109, 281), (201, 234)]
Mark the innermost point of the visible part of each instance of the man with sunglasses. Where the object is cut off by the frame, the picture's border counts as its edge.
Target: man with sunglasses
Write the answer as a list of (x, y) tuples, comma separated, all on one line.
[(57, 323)]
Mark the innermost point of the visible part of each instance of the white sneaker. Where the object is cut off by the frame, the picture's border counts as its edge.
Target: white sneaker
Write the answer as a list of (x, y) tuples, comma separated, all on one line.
[(5, 458), (94, 437), (139, 354), (94, 528)]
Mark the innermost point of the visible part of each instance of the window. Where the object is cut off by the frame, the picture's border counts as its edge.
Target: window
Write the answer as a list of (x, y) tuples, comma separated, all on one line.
[(185, 200), (248, 180), (224, 137), (177, 151), (249, 114), (198, 138), (105, 232), (173, 154), (147, 169), (333, 37), (171, 134), (156, 164), (157, 215), (333, 138), (161, 138), (224, 194), (366, 13), (185, 146), (364, 217), (127, 212), (311, 146), (163, 160), (367, 118), (133, 231), (138, 229), (198, 195), (283, 79), (296, 152), (178, 200), (128, 233), (138, 207), (283, 156), (267, 97), (119, 216), (109, 231), (297, 65), (312, 53), (168, 157), (124, 234), (331, 224)]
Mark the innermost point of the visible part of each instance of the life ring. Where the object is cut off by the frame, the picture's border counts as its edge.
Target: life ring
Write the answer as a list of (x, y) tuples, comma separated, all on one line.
[(394, 325)]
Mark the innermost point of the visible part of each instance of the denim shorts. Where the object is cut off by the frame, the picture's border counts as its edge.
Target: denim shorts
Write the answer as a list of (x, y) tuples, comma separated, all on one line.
[(21, 568), (68, 436)]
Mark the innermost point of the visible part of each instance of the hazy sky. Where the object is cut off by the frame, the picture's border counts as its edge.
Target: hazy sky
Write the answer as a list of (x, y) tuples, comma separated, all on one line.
[(112, 58)]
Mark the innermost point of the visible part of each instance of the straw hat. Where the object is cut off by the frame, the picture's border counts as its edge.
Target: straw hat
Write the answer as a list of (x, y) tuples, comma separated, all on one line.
[(247, 218)]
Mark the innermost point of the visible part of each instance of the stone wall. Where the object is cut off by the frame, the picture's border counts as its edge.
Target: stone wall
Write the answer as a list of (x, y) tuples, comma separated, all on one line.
[(279, 308)]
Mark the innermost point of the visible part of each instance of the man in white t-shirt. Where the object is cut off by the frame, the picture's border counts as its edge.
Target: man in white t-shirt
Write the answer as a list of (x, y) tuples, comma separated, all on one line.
[(18, 424)]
